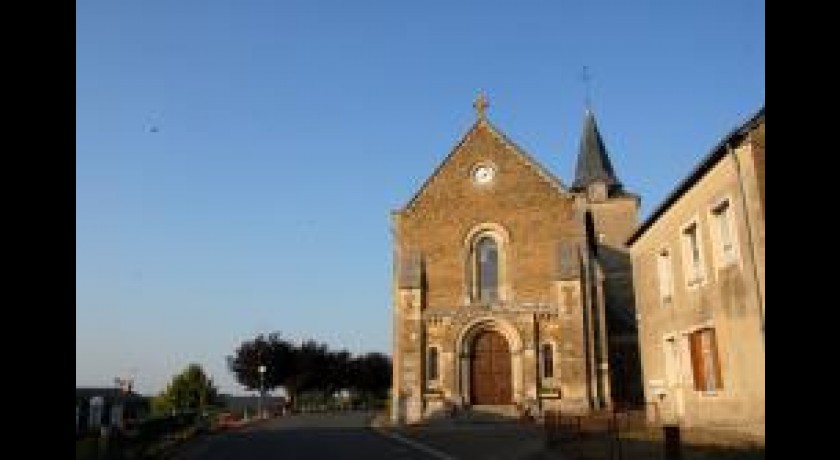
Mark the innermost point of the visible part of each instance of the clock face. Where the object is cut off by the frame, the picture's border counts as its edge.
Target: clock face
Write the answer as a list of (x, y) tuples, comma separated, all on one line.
[(484, 174)]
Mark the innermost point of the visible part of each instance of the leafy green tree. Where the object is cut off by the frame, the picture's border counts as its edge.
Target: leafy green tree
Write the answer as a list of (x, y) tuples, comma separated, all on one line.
[(337, 372), (272, 351), (308, 368), (371, 374), (189, 390)]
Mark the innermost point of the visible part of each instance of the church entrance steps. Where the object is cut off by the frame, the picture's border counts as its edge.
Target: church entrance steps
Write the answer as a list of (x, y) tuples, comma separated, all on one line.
[(481, 414), (493, 411)]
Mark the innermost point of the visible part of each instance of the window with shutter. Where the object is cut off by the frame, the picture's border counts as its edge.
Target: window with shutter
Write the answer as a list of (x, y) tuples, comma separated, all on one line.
[(705, 362), (697, 362), (711, 350), (692, 254), (726, 249), (666, 290)]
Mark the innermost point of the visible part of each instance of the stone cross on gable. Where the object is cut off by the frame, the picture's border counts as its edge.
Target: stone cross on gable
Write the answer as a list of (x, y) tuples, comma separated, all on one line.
[(481, 105)]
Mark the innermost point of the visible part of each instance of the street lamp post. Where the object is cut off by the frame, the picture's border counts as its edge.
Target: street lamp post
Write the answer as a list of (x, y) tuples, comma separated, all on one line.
[(261, 369)]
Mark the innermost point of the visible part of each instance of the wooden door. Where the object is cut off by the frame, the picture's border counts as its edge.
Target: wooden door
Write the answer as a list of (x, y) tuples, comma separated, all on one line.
[(490, 377)]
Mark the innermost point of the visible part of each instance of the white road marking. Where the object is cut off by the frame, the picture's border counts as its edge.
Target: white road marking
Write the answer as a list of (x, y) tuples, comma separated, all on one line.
[(410, 442)]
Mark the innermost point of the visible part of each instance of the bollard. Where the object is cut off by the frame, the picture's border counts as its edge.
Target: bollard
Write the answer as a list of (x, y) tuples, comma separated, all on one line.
[(103, 442), (673, 450)]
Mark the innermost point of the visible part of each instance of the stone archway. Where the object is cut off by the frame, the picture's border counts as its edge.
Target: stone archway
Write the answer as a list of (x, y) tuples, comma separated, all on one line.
[(494, 337), (490, 370)]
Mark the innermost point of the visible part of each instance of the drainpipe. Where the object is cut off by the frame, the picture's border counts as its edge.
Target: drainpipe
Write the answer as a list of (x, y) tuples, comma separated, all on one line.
[(586, 323), (731, 152)]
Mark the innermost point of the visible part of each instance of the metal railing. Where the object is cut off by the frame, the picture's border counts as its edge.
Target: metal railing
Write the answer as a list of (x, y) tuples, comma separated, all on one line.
[(603, 430)]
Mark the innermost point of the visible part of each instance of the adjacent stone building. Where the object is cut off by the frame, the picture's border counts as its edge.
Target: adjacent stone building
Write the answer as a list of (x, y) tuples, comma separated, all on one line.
[(511, 289), (698, 266)]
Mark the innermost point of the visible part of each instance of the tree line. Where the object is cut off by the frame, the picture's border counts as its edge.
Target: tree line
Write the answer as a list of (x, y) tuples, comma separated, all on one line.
[(191, 389), (308, 366)]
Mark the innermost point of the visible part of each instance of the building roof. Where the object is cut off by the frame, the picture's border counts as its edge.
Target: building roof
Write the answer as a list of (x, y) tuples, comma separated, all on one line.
[(593, 163), (699, 171), (108, 393)]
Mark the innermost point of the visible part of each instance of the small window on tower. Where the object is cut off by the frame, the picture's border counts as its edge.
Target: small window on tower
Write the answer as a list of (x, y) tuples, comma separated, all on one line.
[(597, 192)]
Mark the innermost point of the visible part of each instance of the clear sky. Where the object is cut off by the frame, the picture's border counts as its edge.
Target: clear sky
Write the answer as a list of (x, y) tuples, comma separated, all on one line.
[(237, 161)]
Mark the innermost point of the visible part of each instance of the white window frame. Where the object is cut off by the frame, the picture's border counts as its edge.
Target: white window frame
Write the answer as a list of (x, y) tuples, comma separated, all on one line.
[(666, 284), (694, 274), (724, 206)]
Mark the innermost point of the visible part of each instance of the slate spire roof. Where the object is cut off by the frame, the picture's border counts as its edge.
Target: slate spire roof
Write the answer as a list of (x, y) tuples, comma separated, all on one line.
[(593, 163)]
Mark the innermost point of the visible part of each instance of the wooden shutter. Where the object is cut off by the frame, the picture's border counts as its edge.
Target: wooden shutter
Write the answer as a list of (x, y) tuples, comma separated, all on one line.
[(697, 361), (714, 351)]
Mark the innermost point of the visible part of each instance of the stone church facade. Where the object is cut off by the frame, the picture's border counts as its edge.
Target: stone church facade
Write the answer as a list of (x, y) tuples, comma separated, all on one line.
[(512, 290)]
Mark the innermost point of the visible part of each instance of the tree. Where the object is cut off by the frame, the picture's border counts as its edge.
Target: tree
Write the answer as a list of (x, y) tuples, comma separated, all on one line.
[(189, 390), (337, 373), (273, 352), (310, 366), (371, 373), (309, 369)]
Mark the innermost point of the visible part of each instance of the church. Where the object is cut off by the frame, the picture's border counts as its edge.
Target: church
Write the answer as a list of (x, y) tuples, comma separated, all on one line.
[(513, 291)]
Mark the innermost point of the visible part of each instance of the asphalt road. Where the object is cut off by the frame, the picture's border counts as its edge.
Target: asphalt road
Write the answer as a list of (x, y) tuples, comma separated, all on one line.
[(308, 436)]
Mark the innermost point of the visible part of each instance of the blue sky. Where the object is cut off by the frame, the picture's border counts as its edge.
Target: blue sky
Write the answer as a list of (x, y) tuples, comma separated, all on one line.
[(237, 161)]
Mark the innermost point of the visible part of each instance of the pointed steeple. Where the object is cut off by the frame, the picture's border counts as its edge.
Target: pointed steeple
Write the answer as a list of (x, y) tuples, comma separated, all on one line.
[(593, 163)]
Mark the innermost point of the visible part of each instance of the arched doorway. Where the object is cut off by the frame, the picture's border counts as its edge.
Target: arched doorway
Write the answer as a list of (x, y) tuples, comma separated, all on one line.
[(490, 373)]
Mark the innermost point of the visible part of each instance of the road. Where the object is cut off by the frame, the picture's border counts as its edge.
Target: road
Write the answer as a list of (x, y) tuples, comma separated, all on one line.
[(305, 437)]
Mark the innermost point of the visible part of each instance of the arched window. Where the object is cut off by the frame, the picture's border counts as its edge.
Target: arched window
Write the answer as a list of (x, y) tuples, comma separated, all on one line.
[(547, 355), (432, 365), (486, 260), (486, 263)]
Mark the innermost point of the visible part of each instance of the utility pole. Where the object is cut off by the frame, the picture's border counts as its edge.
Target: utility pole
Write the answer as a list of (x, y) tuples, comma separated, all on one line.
[(261, 369)]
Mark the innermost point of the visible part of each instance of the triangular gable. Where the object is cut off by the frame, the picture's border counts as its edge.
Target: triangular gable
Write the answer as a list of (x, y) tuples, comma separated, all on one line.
[(541, 171)]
